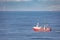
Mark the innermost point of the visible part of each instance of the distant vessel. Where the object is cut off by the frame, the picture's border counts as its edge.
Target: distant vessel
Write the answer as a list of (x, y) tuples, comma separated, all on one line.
[(41, 29)]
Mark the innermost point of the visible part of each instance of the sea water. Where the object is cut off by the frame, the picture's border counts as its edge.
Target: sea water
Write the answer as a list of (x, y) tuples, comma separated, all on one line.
[(18, 25)]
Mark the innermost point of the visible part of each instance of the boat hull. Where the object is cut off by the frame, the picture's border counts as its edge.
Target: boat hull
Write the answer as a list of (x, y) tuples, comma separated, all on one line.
[(42, 29)]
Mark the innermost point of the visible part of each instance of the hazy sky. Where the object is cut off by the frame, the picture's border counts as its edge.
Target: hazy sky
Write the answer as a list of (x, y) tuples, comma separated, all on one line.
[(29, 5)]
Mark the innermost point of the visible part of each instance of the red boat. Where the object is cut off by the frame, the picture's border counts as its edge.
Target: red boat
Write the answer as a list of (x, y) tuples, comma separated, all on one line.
[(41, 29)]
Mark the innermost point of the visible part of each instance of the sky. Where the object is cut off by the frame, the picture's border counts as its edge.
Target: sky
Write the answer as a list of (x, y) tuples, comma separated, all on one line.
[(29, 5)]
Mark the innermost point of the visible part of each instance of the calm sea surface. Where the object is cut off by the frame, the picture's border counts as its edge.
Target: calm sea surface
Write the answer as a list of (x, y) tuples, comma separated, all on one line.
[(18, 25)]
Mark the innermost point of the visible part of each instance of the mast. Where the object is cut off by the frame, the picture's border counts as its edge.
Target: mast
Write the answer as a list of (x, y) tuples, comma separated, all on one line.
[(37, 25)]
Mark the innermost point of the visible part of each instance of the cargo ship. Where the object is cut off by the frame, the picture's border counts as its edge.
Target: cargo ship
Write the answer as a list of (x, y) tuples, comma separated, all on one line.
[(38, 28)]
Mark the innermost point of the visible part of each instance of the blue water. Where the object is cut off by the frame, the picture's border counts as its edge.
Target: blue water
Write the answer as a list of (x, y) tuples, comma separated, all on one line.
[(18, 25)]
